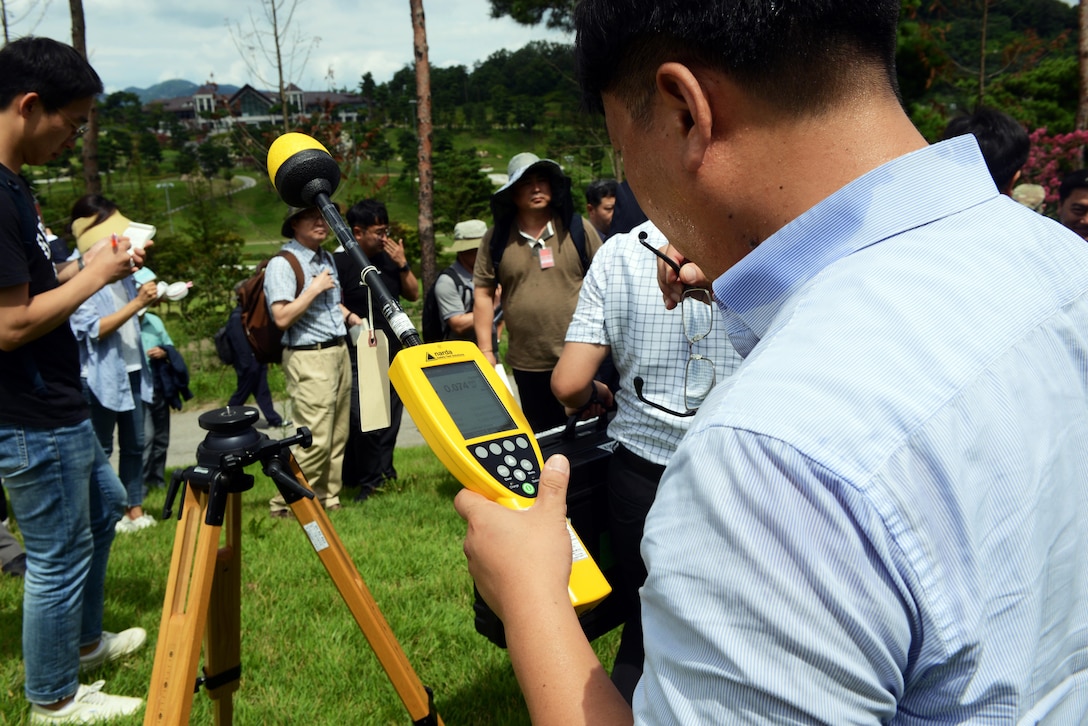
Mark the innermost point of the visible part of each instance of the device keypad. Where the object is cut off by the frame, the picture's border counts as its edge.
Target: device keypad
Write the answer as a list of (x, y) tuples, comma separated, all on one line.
[(520, 476)]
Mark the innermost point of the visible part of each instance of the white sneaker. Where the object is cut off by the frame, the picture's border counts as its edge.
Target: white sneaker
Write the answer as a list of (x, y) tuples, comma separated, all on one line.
[(113, 646), (89, 706), (126, 525)]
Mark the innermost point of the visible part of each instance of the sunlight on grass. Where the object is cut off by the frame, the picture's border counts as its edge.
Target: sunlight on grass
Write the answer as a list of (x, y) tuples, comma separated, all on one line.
[(304, 659)]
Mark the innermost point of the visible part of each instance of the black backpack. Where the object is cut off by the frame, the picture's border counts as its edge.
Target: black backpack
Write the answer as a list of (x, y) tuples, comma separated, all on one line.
[(434, 327), (223, 348)]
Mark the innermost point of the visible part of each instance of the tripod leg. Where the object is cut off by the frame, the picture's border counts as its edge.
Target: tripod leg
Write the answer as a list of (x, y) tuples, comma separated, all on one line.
[(223, 635), (185, 610), (330, 549)]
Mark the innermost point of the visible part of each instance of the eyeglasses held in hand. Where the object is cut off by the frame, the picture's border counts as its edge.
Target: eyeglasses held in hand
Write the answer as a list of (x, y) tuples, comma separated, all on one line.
[(697, 315), (661, 255)]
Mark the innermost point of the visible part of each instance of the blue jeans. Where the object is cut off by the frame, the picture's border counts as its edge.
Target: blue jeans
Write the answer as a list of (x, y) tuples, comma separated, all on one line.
[(66, 500), (130, 438)]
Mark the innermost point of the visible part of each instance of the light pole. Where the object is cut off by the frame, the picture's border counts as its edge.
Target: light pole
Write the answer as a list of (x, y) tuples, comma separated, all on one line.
[(165, 186)]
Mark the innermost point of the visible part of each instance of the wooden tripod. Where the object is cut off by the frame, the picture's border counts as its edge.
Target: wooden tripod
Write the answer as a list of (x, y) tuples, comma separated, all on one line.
[(205, 574)]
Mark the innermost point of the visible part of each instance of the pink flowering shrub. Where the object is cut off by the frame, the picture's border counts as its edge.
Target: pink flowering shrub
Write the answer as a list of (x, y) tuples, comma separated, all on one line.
[(1050, 159)]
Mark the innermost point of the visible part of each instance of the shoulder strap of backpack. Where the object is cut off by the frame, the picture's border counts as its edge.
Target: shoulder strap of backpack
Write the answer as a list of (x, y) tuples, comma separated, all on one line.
[(459, 283), (578, 236), (296, 266), (499, 237), (452, 274)]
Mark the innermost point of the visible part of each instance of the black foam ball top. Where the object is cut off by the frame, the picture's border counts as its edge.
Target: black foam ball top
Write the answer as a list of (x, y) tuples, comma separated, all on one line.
[(306, 174)]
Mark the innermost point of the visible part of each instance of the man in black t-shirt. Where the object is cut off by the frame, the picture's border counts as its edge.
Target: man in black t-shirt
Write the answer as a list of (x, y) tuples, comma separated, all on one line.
[(368, 460), (64, 495)]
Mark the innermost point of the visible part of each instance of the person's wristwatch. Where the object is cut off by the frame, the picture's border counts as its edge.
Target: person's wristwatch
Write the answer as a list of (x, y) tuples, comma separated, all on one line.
[(405, 268)]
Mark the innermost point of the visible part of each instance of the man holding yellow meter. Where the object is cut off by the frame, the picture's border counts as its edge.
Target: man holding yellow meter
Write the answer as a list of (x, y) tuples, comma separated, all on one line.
[(879, 517)]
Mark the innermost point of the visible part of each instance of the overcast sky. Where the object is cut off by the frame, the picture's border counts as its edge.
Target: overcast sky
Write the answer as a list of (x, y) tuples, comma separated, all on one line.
[(140, 43)]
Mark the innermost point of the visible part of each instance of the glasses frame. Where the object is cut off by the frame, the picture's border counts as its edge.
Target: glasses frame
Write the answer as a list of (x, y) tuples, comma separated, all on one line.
[(77, 129), (692, 338), (642, 239)]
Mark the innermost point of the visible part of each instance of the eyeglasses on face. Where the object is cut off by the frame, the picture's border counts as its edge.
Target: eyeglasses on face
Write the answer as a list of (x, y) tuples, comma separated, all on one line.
[(78, 129), (380, 232)]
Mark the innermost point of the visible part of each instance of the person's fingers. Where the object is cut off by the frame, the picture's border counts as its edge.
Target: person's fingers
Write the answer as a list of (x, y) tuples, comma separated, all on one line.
[(692, 275), (466, 502), (553, 483)]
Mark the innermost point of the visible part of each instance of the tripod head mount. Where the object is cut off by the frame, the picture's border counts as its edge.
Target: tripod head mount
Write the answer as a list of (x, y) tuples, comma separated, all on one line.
[(231, 445)]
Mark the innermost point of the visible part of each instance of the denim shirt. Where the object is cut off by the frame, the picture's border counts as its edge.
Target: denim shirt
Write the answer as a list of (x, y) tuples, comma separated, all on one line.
[(101, 361)]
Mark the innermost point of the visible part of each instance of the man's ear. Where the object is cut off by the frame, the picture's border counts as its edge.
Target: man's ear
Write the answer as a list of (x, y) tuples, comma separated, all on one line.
[(27, 103), (688, 111), (1012, 183)]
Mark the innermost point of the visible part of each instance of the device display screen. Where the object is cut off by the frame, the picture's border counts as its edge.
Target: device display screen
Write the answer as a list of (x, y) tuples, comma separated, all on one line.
[(470, 400)]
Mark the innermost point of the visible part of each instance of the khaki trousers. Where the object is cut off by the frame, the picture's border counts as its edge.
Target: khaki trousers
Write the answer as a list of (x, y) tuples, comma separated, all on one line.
[(319, 385)]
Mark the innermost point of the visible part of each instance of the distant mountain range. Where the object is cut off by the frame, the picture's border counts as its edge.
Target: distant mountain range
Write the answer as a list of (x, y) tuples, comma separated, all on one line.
[(173, 89)]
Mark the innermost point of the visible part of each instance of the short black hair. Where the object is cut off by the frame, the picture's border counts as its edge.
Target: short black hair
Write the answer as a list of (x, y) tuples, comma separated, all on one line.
[(798, 56), (53, 70), (1071, 182), (1003, 140), (367, 213), (599, 189)]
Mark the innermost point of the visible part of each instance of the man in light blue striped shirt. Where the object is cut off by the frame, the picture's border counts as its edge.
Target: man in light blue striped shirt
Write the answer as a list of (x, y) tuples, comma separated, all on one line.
[(879, 518), (316, 367)]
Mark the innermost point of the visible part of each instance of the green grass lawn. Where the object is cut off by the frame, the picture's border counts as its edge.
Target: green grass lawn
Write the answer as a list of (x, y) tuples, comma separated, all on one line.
[(304, 659)]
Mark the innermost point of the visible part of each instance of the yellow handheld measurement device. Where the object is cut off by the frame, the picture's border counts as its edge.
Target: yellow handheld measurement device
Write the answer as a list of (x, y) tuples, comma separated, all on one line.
[(475, 427)]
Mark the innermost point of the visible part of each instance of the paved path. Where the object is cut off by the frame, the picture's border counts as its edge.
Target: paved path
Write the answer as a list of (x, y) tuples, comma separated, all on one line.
[(186, 435)]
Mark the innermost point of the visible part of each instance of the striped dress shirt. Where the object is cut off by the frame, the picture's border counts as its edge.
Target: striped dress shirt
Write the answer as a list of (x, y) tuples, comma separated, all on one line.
[(620, 306), (882, 516)]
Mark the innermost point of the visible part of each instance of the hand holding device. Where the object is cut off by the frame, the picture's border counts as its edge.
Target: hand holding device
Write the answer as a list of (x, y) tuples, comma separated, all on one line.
[(472, 423), (147, 293), (507, 583), (107, 258), (139, 235)]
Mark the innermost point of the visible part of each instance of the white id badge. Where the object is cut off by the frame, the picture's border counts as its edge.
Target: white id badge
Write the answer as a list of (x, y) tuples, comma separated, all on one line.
[(372, 356)]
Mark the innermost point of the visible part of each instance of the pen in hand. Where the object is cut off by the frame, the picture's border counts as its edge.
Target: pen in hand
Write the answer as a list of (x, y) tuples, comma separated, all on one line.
[(113, 241)]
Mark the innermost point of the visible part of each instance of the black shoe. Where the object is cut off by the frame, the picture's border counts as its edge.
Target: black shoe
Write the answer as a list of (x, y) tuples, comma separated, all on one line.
[(363, 495), (17, 567)]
